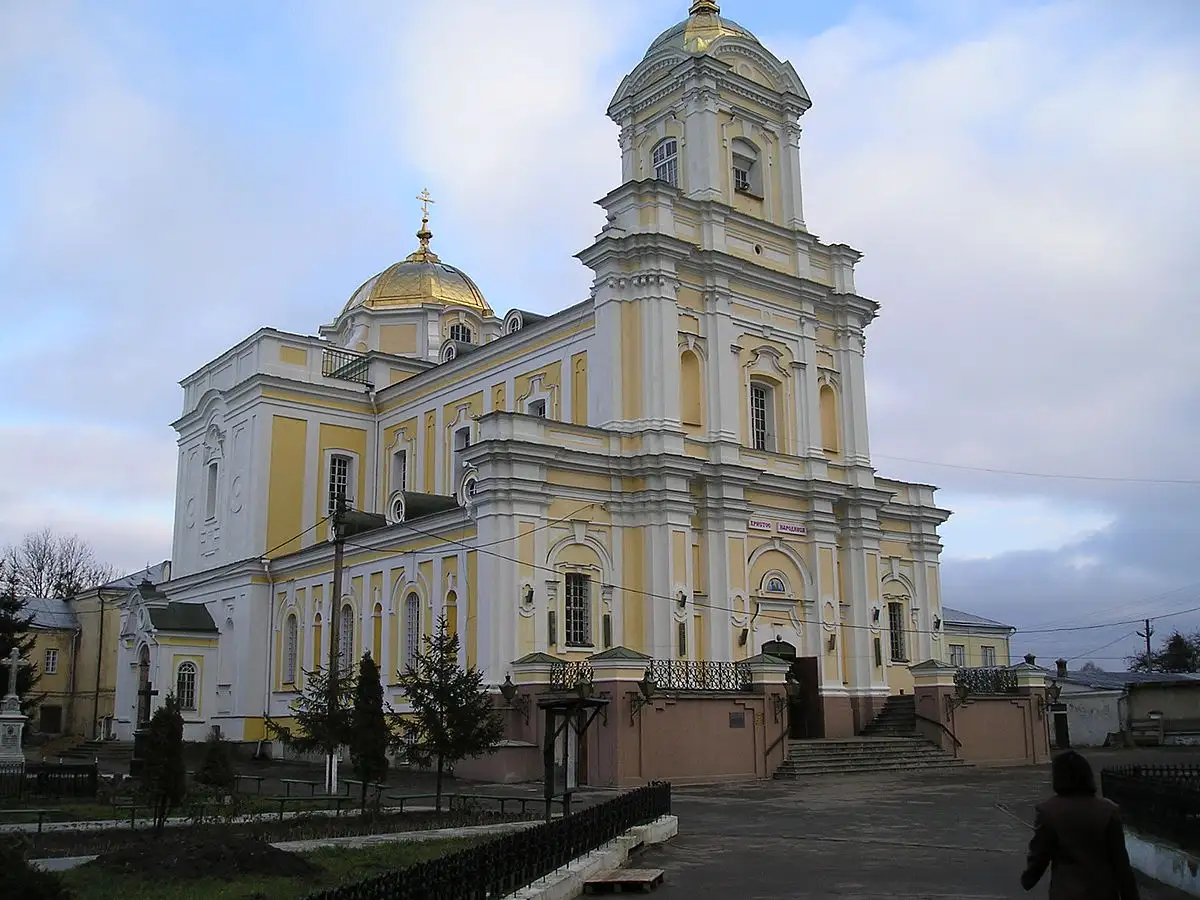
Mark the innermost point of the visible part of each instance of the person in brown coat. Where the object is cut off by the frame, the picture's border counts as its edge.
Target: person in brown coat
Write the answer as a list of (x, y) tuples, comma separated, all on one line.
[(1079, 836)]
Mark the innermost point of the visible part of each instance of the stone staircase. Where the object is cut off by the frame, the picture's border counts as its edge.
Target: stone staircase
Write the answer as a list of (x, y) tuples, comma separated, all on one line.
[(898, 718), (862, 755)]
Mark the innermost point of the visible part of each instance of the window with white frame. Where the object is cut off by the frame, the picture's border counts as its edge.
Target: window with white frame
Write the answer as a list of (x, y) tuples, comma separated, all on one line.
[(341, 478), (400, 470), (745, 167), (50, 665), (989, 656), (462, 440), (460, 332), (536, 408), (958, 655), (666, 161), (762, 416), (211, 472), (514, 325), (346, 636), (578, 608), (412, 630), (291, 649), (185, 685), (896, 632)]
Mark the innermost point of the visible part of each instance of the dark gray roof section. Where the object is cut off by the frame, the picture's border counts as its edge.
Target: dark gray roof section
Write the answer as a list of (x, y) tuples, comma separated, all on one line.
[(156, 574), (959, 617), (191, 617), (418, 505), (1117, 681), (618, 653), (51, 614)]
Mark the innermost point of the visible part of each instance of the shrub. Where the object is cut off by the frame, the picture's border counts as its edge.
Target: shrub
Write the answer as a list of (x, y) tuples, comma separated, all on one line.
[(19, 879), (216, 770)]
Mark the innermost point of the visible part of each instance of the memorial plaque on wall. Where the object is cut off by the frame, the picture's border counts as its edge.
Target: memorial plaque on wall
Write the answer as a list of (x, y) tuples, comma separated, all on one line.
[(737, 720)]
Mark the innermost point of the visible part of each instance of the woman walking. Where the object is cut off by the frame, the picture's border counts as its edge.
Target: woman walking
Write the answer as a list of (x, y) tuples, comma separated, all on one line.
[(1079, 836)]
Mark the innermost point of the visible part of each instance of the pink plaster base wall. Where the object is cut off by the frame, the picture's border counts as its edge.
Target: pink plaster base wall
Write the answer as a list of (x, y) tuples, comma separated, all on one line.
[(992, 730)]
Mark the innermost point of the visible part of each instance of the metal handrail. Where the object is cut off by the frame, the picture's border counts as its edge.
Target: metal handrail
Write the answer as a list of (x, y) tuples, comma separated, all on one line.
[(953, 737)]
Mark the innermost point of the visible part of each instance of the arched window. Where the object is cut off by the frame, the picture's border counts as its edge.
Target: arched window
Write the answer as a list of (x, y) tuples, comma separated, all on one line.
[(412, 630), (774, 585), (451, 612), (377, 634), (318, 660), (666, 161), (346, 637), (514, 325), (830, 438), (747, 171), (762, 416), (185, 685), (291, 649), (689, 389), (460, 332)]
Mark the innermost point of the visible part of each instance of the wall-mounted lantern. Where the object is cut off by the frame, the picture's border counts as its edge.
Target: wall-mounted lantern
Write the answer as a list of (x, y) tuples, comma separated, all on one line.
[(513, 697)]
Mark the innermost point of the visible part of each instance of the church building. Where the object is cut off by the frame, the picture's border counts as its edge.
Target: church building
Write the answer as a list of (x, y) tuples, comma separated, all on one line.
[(677, 463)]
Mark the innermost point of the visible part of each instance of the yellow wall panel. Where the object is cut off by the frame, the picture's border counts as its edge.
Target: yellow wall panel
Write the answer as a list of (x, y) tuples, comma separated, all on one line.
[(398, 339), (285, 500), (352, 440), (472, 608), (579, 388), (633, 550), (429, 463), (631, 361), (293, 356), (551, 375)]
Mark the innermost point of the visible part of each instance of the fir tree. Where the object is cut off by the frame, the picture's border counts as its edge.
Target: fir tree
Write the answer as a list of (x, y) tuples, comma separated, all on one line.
[(451, 710), (15, 632), (319, 729), (216, 771), (370, 731), (164, 776)]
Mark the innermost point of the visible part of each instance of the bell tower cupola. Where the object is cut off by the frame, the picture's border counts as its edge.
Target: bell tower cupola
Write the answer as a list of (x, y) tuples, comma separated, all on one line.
[(713, 113)]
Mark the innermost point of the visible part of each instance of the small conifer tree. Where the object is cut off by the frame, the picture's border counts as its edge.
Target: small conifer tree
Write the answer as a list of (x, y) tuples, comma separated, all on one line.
[(164, 776), (370, 730)]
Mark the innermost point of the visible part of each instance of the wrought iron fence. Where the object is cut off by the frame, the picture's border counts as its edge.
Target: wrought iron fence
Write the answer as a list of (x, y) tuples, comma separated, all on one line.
[(506, 864), (987, 680), (1163, 801), (698, 676), (565, 675), (346, 365), (49, 780)]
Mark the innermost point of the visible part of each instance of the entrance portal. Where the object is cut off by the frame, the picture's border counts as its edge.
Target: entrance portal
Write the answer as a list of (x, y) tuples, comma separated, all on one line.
[(806, 718)]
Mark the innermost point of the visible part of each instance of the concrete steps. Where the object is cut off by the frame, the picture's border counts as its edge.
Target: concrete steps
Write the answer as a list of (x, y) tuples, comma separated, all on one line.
[(898, 718), (861, 755)]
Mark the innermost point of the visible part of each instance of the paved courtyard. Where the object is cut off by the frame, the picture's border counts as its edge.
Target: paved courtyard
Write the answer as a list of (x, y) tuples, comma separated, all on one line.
[(954, 835)]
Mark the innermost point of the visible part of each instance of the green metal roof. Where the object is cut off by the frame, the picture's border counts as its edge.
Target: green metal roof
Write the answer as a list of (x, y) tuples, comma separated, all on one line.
[(182, 617)]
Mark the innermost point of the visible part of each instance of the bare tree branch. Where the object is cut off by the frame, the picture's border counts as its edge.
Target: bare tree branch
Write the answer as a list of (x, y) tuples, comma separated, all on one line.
[(47, 564)]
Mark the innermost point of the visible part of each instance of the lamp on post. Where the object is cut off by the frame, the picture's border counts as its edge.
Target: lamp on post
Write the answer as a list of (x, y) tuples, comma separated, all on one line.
[(514, 698), (646, 689)]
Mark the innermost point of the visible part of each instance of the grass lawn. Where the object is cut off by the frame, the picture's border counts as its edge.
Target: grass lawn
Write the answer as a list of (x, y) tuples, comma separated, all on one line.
[(338, 866)]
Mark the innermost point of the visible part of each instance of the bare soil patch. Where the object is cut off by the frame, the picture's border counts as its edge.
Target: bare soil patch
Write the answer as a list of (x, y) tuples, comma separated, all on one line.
[(188, 857)]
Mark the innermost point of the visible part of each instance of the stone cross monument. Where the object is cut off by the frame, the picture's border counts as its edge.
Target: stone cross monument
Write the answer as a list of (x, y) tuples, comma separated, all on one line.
[(12, 722)]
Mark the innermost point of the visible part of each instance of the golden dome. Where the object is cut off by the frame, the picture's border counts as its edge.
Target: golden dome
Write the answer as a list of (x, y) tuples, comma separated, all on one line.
[(418, 279), (696, 33)]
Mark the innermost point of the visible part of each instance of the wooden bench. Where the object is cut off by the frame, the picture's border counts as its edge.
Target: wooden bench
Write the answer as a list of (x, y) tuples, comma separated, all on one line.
[(40, 813), (339, 800), (288, 782), (354, 788), (503, 800), (119, 806), (257, 779), (400, 799)]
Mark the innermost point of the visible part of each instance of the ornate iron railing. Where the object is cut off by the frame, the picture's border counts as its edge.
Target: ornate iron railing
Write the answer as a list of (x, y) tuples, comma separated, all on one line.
[(1163, 801), (506, 864), (987, 681), (565, 675), (699, 676), (346, 365), (49, 780)]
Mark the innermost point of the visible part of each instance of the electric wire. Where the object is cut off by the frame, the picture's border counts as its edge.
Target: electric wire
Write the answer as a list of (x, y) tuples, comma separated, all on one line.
[(1067, 476)]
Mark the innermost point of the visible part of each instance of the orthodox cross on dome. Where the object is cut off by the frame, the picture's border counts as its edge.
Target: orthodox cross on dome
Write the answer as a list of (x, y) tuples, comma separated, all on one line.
[(14, 663), (425, 234), (704, 7)]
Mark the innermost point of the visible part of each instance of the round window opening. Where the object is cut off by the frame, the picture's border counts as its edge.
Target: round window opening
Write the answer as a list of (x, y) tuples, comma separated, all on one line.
[(397, 508), (758, 249)]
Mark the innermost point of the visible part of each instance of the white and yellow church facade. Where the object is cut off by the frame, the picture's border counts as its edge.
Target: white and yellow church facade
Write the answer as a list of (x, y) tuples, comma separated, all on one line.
[(678, 463)]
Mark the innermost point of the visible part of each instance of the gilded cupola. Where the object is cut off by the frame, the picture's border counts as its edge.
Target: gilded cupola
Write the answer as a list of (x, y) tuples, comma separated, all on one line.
[(696, 33)]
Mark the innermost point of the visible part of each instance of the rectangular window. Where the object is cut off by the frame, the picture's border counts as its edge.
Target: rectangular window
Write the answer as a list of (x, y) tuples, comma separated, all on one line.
[(339, 481), (210, 491), (896, 632), (51, 664), (989, 656), (579, 610), (537, 408), (412, 630), (462, 440), (762, 417), (400, 470), (958, 655), (741, 179)]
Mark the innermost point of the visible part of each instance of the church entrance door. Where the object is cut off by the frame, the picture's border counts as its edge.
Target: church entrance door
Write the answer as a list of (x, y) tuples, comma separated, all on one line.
[(806, 719)]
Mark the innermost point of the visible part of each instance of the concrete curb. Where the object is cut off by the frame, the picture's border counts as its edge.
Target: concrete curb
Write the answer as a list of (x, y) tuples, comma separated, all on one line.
[(1173, 867), (567, 883)]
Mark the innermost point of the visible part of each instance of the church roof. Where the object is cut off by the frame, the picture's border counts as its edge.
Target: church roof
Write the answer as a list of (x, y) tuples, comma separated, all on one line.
[(182, 617), (49, 613), (958, 617), (154, 574), (696, 33), (419, 278)]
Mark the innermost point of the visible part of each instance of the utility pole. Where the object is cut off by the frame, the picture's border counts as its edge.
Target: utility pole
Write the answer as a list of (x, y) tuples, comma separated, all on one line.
[(335, 638), (1146, 634)]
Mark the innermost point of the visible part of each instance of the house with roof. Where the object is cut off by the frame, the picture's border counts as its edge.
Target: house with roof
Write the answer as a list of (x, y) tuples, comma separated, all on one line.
[(55, 630), (1105, 708), (971, 641)]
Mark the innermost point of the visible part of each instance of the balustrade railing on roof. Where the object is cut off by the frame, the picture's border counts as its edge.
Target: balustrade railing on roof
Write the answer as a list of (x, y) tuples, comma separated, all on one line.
[(345, 365)]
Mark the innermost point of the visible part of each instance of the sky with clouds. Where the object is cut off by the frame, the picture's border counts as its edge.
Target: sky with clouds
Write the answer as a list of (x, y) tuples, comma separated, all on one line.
[(1023, 178)]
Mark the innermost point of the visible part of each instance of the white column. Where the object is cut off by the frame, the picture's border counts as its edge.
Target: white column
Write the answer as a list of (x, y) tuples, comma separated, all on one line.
[(702, 154), (854, 399), (793, 195)]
